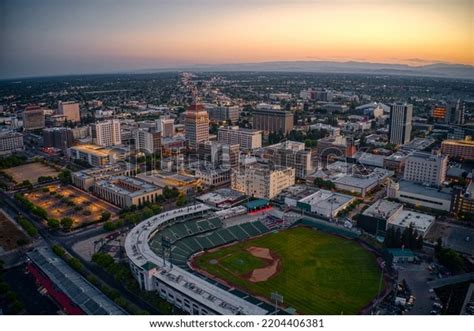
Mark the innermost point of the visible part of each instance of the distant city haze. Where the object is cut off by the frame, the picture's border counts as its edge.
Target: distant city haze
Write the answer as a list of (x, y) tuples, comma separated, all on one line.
[(53, 37)]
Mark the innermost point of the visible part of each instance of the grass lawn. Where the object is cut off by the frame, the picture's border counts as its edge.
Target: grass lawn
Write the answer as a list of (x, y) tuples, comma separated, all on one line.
[(320, 273)]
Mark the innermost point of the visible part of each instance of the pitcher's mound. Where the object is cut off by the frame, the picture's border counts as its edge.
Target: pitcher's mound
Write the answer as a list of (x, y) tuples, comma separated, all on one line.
[(271, 268)]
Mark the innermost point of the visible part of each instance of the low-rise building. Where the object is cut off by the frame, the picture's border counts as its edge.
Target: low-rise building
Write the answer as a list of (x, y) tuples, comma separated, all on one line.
[(374, 219), (421, 223), (383, 214), (325, 203), (222, 198), (180, 181), (420, 195), (97, 155), (85, 179), (362, 182), (126, 192)]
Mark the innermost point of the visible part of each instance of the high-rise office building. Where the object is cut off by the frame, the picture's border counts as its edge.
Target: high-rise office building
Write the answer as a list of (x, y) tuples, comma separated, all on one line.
[(33, 118), (148, 140), (167, 127), (70, 110), (449, 112), (246, 138), (196, 123), (223, 113), (463, 149), (270, 120), (426, 168), (107, 133), (457, 112), (401, 115), (290, 154), (61, 138), (219, 154)]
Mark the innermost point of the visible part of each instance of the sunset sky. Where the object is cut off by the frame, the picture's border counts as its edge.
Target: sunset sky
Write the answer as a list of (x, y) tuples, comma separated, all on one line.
[(50, 37)]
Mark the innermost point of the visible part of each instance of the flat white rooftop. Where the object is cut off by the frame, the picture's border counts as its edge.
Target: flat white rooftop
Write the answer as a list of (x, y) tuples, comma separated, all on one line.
[(421, 222)]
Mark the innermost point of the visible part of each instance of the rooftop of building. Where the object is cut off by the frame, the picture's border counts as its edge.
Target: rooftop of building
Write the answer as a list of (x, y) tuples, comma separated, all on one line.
[(426, 156), (383, 209), (115, 184), (419, 189), (327, 200), (68, 281), (163, 178), (9, 133), (106, 169), (397, 156), (221, 196), (92, 149), (420, 222), (418, 144), (401, 252), (288, 145), (469, 143), (298, 192), (196, 107), (237, 128), (363, 181), (370, 159)]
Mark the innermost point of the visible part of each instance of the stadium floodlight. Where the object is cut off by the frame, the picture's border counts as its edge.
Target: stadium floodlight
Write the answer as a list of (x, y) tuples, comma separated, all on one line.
[(278, 298)]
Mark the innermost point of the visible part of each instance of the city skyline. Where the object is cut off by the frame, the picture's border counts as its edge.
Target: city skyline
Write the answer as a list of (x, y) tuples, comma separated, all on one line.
[(54, 37)]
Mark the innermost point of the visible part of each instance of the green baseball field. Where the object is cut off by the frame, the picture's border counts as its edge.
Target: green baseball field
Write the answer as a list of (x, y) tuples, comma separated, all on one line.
[(317, 273)]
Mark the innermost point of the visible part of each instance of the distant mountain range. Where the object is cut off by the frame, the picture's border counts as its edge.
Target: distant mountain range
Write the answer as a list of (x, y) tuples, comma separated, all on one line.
[(433, 70)]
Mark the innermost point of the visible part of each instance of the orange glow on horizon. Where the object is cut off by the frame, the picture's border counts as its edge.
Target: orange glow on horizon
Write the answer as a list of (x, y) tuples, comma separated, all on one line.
[(385, 33)]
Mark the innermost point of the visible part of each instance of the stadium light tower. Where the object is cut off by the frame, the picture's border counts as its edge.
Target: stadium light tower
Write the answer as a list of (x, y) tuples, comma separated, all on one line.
[(166, 250), (278, 298)]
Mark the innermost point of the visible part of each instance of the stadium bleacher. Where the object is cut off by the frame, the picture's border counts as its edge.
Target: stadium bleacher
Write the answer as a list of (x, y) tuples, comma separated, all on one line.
[(191, 236)]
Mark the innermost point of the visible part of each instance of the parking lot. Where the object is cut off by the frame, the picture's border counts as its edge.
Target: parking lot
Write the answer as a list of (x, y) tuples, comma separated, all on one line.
[(82, 207), (416, 276)]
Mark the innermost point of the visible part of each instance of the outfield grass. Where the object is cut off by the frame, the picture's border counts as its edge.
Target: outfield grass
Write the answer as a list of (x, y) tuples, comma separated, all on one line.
[(320, 273)]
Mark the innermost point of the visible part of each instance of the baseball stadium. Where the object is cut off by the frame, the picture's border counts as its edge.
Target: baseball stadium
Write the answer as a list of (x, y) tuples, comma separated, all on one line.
[(231, 261)]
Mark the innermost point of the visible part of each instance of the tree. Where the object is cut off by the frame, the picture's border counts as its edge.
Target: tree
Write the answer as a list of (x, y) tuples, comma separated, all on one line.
[(59, 251), (105, 216), (181, 201), (65, 176), (53, 224), (66, 223), (26, 184)]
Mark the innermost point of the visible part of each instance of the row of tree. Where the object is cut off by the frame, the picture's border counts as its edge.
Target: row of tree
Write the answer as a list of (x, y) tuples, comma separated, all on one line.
[(448, 257), (409, 238)]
